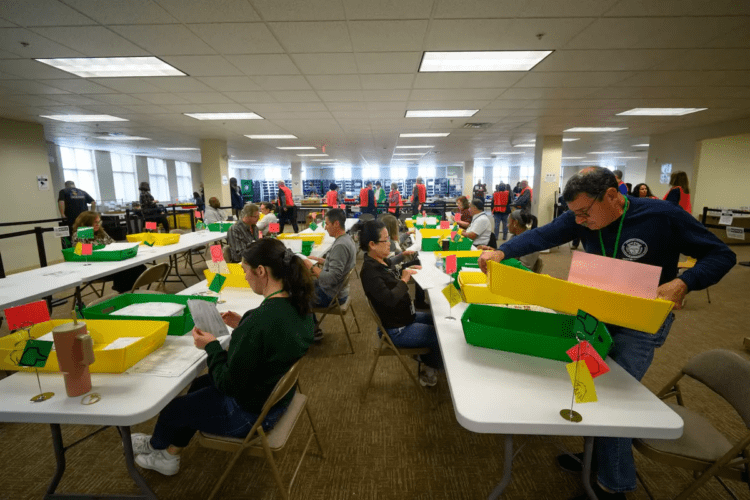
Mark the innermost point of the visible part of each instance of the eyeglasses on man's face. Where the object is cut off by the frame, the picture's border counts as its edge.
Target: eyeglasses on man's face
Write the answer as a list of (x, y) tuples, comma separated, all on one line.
[(584, 213)]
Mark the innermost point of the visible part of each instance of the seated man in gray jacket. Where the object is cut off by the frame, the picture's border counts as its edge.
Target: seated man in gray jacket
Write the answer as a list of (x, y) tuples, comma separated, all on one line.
[(336, 266)]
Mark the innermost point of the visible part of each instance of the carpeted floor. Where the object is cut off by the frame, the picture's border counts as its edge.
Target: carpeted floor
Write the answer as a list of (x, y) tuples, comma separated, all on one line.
[(393, 446)]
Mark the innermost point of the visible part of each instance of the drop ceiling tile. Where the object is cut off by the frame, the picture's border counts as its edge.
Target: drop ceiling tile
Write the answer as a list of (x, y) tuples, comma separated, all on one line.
[(375, 82), (229, 83), (77, 100), (79, 86), (306, 37), (294, 10), (578, 79), (467, 80), (454, 94), (280, 107), (446, 104), (128, 85), (607, 60), (162, 98), (118, 99), (264, 64), (295, 96), (165, 40), (300, 115), (335, 82), (340, 95), (637, 8), (289, 82), (33, 70), (238, 38), (548, 93), (733, 78), (347, 106), (210, 11), (27, 44), (43, 13), (709, 59), (250, 97), (386, 36), (507, 104), (32, 100), (92, 41), (385, 95), (144, 109), (325, 64), (122, 11), (179, 84), (204, 97), (30, 87), (203, 65), (388, 9), (733, 39), (388, 62)]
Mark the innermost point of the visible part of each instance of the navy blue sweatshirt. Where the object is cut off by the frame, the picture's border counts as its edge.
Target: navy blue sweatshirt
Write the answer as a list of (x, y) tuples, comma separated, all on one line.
[(654, 232)]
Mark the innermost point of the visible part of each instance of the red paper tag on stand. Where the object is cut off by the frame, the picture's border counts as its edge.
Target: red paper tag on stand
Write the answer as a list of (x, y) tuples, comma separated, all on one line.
[(457, 217), (151, 226), (198, 215), (274, 227), (453, 234), (87, 249), (343, 207), (444, 224), (450, 264), (424, 213), (217, 255), (27, 315), (586, 352)]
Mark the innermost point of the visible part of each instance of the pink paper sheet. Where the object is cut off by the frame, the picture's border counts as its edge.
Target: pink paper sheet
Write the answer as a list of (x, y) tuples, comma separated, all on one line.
[(614, 275)]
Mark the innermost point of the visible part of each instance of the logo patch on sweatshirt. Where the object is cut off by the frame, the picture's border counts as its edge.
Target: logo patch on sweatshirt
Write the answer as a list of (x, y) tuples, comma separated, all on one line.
[(634, 249)]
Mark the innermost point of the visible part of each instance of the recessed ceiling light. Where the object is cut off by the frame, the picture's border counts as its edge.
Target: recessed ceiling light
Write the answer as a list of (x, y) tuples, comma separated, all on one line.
[(510, 60), (528, 145), (508, 153), (296, 147), (482, 158), (182, 149), (605, 153), (595, 129), (590, 161), (327, 159), (308, 154), (413, 147), (440, 113), (271, 136), (408, 154), (238, 161), (426, 134), (224, 116), (111, 67), (573, 157), (660, 111), (84, 118), (627, 157), (571, 139), (123, 138), (640, 145)]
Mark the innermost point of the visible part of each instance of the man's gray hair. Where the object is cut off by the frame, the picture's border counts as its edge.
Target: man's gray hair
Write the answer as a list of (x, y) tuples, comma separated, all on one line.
[(249, 210), (70, 184), (591, 181), (618, 174)]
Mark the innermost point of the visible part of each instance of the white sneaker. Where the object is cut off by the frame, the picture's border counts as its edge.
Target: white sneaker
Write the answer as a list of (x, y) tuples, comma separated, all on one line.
[(428, 377), (160, 461), (141, 443)]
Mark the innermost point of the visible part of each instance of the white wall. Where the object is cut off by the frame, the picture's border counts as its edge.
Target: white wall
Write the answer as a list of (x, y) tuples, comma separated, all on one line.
[(23, 156), (722, 174)]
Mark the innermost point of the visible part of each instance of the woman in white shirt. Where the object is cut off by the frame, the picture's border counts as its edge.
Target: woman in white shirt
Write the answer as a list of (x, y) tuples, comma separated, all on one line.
[(213, 212), (268, 216)]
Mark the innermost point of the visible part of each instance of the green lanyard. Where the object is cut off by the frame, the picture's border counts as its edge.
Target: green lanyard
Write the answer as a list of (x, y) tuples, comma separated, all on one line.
[(274, 293), (619, 230)]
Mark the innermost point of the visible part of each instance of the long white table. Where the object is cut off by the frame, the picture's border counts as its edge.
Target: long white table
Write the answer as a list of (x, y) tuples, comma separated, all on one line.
[(500, 392)]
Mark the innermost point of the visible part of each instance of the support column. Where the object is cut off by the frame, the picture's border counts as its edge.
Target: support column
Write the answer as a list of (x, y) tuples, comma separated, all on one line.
[(514, 176), (296, 179), (215, 170), (468, 178), (547, 167)]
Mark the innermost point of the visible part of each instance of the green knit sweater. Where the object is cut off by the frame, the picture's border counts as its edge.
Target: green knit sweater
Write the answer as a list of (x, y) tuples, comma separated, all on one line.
[(267, 342)]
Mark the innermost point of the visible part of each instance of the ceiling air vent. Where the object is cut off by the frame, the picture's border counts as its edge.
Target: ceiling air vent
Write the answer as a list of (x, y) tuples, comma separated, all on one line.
[(476, 125)]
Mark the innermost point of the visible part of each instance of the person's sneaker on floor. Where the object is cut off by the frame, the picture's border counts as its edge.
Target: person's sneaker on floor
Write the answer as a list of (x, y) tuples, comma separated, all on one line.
[(318, 335), (161, 461), (141, 443), (428, 377)]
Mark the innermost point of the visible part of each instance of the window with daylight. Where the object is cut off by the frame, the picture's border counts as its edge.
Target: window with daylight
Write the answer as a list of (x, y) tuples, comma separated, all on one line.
[(528, 174), (426, 172), (398, 173), (184, 180), (499, 174), (123, 170), (273, 173), (344, 173), (370, 173), (157, 179), (79, 167)]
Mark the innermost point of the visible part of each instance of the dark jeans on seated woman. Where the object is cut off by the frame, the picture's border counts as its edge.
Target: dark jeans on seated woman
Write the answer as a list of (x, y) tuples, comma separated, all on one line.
[(204, 408), (420, 333)]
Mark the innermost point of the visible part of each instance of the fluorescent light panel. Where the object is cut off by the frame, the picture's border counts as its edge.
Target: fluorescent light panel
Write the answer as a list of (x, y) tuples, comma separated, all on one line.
[(296, 147), (573, 157), (240, 161), (528, 145), (605, 153), (508, 153), (408, 154), (571, 139), (640, 145), (271, 136), (327, 159), (123, 138), (307, 154), (84, 118), (413, 147), (224, 116), (426, 134), (627, 157), (595, 129), (660, 111), (506, 60), (180, 149), (113, 67), (440, 113)]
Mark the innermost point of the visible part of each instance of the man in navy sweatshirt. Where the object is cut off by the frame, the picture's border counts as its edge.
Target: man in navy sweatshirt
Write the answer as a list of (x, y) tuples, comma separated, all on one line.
[(642, 230)]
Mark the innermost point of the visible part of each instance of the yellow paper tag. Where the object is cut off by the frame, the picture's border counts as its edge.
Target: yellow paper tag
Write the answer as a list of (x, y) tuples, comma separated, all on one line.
[(453, 295), (79, 248), (583, 384)]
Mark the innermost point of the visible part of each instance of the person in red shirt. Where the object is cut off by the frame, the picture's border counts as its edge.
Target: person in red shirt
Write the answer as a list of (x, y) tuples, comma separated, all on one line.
[(332, 196), (367, 200), (394, 200), (679, 192), (524, 197), (501, 198), (287, 208), (418, 196)]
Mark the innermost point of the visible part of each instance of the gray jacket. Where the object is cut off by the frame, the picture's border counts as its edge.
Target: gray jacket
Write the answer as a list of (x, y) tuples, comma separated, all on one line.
[(339, 261)]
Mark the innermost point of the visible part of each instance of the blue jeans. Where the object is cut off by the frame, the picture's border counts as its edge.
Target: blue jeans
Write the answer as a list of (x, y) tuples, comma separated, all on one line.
[(634, 351), (501, 217), (420, 333), (322, 299), (204, 408)]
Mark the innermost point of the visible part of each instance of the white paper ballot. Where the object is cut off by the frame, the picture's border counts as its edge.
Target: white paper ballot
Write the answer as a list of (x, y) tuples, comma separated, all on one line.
[(112, 247), (431, 277), (207, 318), (122, 343), (159, 309), (293, 245)]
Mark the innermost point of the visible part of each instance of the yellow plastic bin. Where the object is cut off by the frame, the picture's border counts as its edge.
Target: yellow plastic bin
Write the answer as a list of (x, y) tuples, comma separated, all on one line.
[(183, 221), (459, 253), (474, 290), (235, 278), (646, 315), (317, 238), (158, 239), (151, 336), (436, 233)]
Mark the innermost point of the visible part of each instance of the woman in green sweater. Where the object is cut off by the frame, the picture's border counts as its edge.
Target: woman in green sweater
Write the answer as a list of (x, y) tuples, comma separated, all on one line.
[(266, 342)]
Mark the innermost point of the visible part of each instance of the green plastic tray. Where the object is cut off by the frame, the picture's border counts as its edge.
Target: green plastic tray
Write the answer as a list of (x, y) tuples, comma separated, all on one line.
[(220, 227), (307, 247), (433, 244), (534, 333), (178, 325), (100, 255)]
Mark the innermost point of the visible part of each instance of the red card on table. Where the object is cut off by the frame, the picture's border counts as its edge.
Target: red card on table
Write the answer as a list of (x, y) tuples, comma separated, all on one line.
[(198, 215), (453, 234), (217, 255), (151, 226), (424, 213), (343, 207), (27, 315), (586, 352), (274, 227), (444, 224), (450, 264), (87, 249), (457, 217)]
